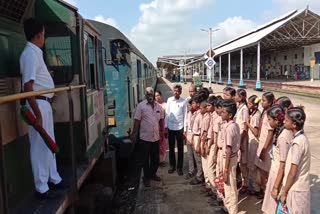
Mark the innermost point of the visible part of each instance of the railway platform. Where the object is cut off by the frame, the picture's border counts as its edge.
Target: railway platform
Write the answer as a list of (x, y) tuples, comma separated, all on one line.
[(174, 195)]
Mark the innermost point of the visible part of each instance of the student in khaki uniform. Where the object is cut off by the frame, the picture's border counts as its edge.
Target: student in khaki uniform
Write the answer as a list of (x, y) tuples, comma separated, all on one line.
[(231, 146), (201, 96), (210, 152), (192, 113), (204, 126), (296, 183), (229, 93), (284, 102), (278, 153), (253, 132), (218, 155), (263, 161), (240, 118)]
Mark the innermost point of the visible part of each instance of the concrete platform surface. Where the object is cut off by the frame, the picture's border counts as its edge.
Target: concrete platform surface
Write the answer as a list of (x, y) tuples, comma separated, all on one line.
[(174, 195)]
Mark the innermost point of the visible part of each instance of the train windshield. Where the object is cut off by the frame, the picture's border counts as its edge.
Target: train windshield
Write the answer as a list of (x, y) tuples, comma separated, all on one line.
[(58, 51)]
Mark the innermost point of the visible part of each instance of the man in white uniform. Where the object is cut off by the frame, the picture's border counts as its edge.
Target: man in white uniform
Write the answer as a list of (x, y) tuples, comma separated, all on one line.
[(174, 124), (35, 77)]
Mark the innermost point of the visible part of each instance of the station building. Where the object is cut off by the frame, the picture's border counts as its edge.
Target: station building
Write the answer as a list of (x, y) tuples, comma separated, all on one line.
[(289, 45)]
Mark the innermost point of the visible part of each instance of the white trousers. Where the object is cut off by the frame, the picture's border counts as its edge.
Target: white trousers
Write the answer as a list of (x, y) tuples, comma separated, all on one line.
[(43, 161)]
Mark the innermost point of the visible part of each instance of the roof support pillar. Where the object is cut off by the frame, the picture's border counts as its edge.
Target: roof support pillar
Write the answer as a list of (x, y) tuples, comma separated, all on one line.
[(229, 83), (241, 83), (220, 65), (258, 83)]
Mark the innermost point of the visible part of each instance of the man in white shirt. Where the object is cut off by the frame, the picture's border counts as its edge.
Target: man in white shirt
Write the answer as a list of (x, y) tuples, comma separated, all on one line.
[(35, 77), (286, 73), (174, 124)]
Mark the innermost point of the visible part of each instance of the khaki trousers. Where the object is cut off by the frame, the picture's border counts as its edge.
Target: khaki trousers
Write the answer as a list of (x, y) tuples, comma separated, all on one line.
[(219, 169), (204, 162), (211, 167), (230, 188)]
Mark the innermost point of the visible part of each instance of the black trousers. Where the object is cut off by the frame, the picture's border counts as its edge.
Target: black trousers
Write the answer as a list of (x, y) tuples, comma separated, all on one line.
[(147, 157), (174, 136)]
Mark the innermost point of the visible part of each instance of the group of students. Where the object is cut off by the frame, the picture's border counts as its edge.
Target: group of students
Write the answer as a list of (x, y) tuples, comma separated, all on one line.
[(229, 137)]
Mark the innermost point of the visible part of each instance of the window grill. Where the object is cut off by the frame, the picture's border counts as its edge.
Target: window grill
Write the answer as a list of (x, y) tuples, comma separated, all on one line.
[(13, 9)]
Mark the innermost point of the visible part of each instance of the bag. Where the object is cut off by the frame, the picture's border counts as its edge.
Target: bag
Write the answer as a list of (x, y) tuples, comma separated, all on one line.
[(219, 184), (282, 208)]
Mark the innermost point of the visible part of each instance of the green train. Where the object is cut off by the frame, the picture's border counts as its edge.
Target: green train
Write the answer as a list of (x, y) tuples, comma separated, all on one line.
[(75, 54)]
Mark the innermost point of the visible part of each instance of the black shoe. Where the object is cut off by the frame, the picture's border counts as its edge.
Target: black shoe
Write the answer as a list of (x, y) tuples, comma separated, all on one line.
[(215, 203), (162, 164), (188, 176), (171, 170), (180, 172), (214, 197), (146, 183), (156, 178), (204, 190), (195, 181), (208, 194), (61, 185), (49, 195), (260, 195), (220, 210)]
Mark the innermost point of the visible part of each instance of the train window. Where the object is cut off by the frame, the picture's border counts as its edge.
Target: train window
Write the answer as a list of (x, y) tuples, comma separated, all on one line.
[(134, 97), (4, 55), (120, 51), (90, 61), (102, 81), (58, 53), (145, 70), (139, 68)]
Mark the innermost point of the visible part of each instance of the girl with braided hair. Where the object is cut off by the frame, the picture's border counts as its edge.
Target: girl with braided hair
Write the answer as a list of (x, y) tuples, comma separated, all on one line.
[(295, 190), (284, 102), (278, 154), (240, 118), (253, 133), (263, 161)]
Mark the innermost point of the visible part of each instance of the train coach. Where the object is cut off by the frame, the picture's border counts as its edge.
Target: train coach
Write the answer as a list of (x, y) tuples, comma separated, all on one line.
[(73, 54), (128, 72)]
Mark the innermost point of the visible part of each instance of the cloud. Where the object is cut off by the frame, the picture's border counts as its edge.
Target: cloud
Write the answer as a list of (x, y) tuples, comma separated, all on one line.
[(72, 2), (280, 7), (109, 21), (233, 27), (285, 5), (165, 28)]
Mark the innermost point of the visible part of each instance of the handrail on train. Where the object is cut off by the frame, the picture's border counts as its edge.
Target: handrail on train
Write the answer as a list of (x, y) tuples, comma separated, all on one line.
[(24, 95), (14, 97)]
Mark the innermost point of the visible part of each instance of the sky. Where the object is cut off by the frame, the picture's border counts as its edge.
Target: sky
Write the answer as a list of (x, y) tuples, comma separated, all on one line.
[(172, 27)]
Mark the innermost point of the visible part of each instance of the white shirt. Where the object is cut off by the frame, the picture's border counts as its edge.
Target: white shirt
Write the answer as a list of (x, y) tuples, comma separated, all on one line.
[(32, 67), (175, 113)]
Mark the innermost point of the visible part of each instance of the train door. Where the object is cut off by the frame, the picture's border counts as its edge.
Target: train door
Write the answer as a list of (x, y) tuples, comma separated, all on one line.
[(119, 89), (95, 119)]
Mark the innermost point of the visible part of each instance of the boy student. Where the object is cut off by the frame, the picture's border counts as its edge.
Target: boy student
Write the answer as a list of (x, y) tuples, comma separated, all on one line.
[(192, 113), (209, 152), (201, 96), (196, 130), (231, 146), (204, 126), (218, 156)]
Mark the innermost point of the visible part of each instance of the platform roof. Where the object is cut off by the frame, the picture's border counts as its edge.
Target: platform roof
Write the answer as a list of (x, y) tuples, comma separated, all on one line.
[(173, 61), (295, 29)]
